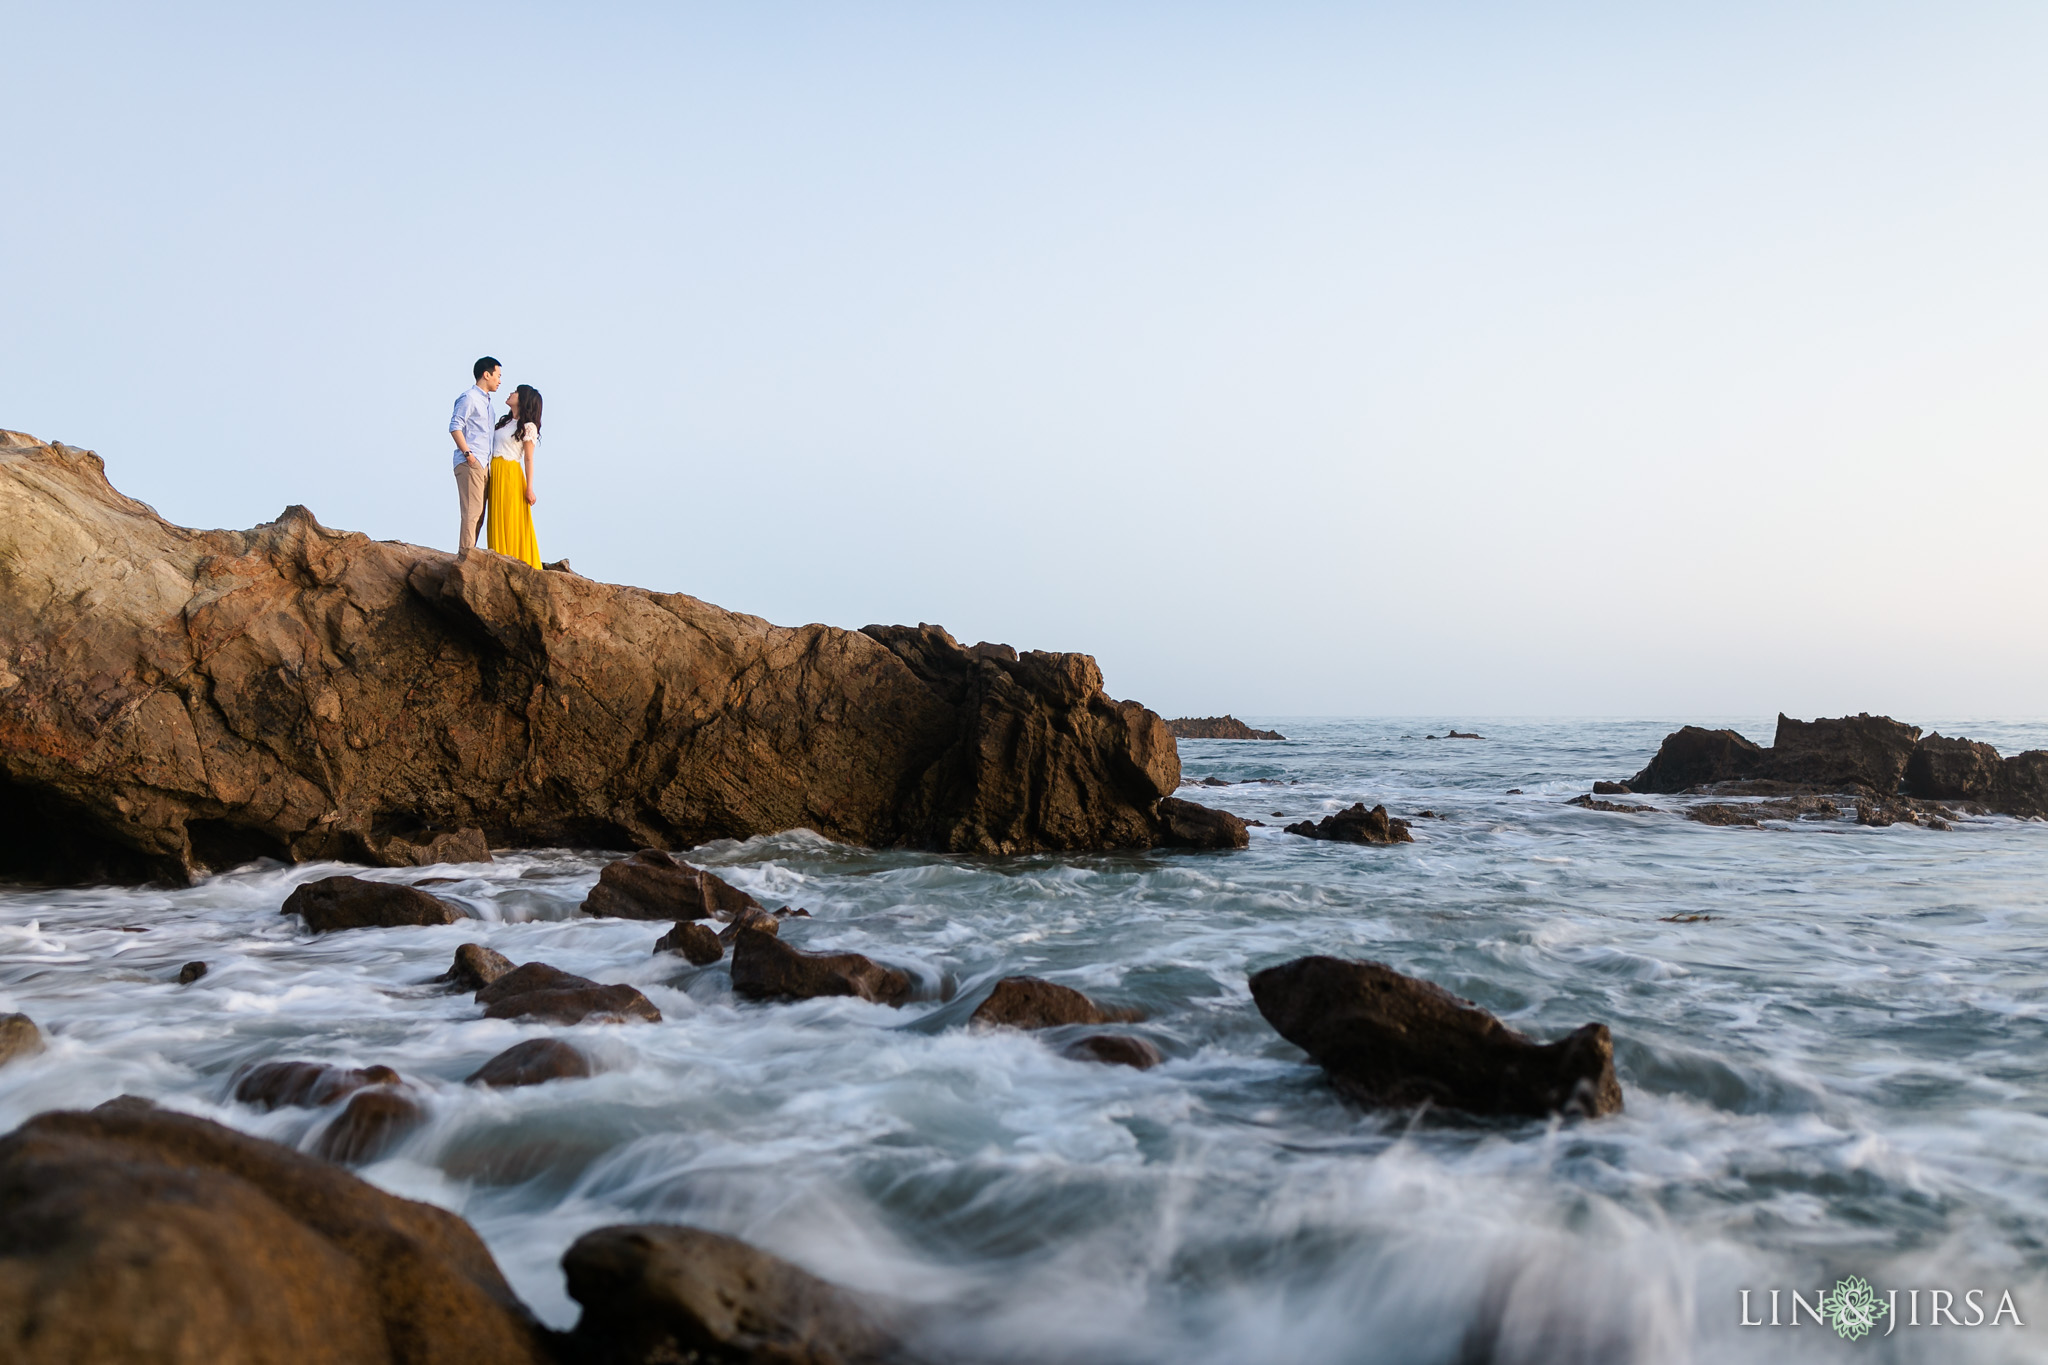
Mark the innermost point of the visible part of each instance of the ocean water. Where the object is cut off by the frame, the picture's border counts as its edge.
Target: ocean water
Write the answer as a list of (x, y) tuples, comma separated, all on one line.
[(1842, 1070)]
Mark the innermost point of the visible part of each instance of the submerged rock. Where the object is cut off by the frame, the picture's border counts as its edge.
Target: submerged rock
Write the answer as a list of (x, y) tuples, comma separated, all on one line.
[(1188, 825), (697, 942), (1217, 727), (530, 1063), (351, 903), (1394, 1040), (475, 967), (538, 991), (19, 1037), (132, 1234), (652, 885), (1031, 1002), (1117, 1049), (191, 972), (1356, 825), (371, 1124), (310, 1085), (654, 1293), (1752, 813), (181, 699), (1905, 811), (1612, 789), (766, 968), (752, 920), (1613, 807)]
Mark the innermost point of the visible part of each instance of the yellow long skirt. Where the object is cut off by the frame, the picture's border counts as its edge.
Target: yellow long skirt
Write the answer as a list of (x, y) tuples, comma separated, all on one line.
[(508, 525)]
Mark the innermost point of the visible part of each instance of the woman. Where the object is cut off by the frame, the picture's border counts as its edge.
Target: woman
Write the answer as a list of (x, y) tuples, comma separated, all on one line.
[(509, 522)]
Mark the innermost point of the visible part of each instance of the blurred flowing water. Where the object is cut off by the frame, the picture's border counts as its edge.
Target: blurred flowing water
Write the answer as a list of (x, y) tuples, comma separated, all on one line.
[(1840, 1071)]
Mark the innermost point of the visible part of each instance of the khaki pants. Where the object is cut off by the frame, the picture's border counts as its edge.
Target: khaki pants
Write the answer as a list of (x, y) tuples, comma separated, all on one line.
[(469, 487)]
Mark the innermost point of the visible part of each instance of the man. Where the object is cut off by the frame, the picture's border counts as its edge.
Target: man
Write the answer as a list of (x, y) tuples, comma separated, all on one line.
[(475, 419)]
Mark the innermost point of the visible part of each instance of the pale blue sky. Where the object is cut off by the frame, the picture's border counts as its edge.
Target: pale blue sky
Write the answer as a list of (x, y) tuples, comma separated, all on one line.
[(1440, 359)]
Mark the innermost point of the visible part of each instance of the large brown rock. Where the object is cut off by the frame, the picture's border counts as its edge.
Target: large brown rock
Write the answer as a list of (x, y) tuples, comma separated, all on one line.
[(19, 1037), (766, 968), (1188, 825), (1395, 1040), (475, 967), (1694, 757), (697, 942), (134, 1236), (652, 885), (1953, 770), (1217, 727), (175, 699), (654, 1293), (1033, 1002), (538, 991), (352, 903), (1356, 825), (2023, 785)]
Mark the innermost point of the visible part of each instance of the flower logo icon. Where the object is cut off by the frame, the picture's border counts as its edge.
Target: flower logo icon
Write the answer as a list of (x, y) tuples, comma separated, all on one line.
[(1853, 1307)]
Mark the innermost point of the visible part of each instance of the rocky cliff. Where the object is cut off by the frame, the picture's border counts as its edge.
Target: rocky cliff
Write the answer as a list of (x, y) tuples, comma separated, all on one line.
[(172, 700)]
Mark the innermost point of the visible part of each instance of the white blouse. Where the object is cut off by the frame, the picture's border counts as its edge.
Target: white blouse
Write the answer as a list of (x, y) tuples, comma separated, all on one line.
[(510, 447)]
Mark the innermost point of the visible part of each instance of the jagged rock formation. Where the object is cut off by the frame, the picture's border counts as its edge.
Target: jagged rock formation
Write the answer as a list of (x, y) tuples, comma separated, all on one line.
[(173, 699), (1859, 755), (1356, 825), (1217, 727), (1386, 1038)]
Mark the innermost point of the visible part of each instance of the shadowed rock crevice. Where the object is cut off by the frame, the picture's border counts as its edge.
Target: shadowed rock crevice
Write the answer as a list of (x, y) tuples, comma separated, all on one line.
[(188, 699)]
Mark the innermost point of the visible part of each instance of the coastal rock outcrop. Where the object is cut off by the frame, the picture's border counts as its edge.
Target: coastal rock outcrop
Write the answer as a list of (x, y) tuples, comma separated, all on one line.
[(652, 885), (174, 700), (1394, 1040), (351, 903), (1031, 1002), (1217, 727), (1863, 756), (132, 1234), (1189, 825), (656, 1293), (766, 968), (538, 991), (1356, 825)]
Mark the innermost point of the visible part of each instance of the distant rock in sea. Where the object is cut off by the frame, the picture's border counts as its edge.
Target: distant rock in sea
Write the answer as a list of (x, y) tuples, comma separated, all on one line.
[(1217, 727), (174, 701), (1860, 756)]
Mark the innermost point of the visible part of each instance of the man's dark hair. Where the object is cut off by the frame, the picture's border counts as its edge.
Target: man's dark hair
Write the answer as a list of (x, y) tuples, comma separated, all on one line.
[(483, 367)]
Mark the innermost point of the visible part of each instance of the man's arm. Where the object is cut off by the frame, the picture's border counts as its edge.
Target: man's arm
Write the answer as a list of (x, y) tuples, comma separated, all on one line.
[(462, 406)]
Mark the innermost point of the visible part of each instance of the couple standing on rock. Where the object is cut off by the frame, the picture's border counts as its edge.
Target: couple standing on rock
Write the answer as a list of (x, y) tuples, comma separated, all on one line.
[(499, 500)]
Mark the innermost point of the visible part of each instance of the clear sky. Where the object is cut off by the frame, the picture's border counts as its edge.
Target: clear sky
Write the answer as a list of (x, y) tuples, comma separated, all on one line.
[(1433, 359)]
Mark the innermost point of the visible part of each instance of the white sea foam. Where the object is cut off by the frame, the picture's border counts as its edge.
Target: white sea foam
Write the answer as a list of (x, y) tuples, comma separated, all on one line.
[(1838, 1072)]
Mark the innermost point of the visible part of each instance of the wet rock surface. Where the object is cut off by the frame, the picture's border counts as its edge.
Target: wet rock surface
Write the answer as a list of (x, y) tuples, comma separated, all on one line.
[(273, 1085), (1189, 825), (426, 847), (1116, 1049), (374, 1121), (1356, 825), (698, 943), (747, 921), (654, 1293), (1387, 1039), (1755, 812), (132, 1234), (1612, 807), (335, 903), (475, 967), (19, 1037), (186, 700), (1217, 727), (539, 991), (653, 885), (766, 968), (1030, 1002), (530, 1063), (191, 972)]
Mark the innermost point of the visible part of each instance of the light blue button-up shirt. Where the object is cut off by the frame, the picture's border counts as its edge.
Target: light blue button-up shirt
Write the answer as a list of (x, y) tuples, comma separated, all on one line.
[(476, 417)]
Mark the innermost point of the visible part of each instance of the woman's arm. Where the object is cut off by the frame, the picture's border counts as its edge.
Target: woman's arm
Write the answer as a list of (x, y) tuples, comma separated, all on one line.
[(528, 462)]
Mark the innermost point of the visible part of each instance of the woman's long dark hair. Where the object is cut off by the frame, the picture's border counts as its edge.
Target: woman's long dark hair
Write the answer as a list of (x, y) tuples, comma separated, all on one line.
[(529, 408)]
